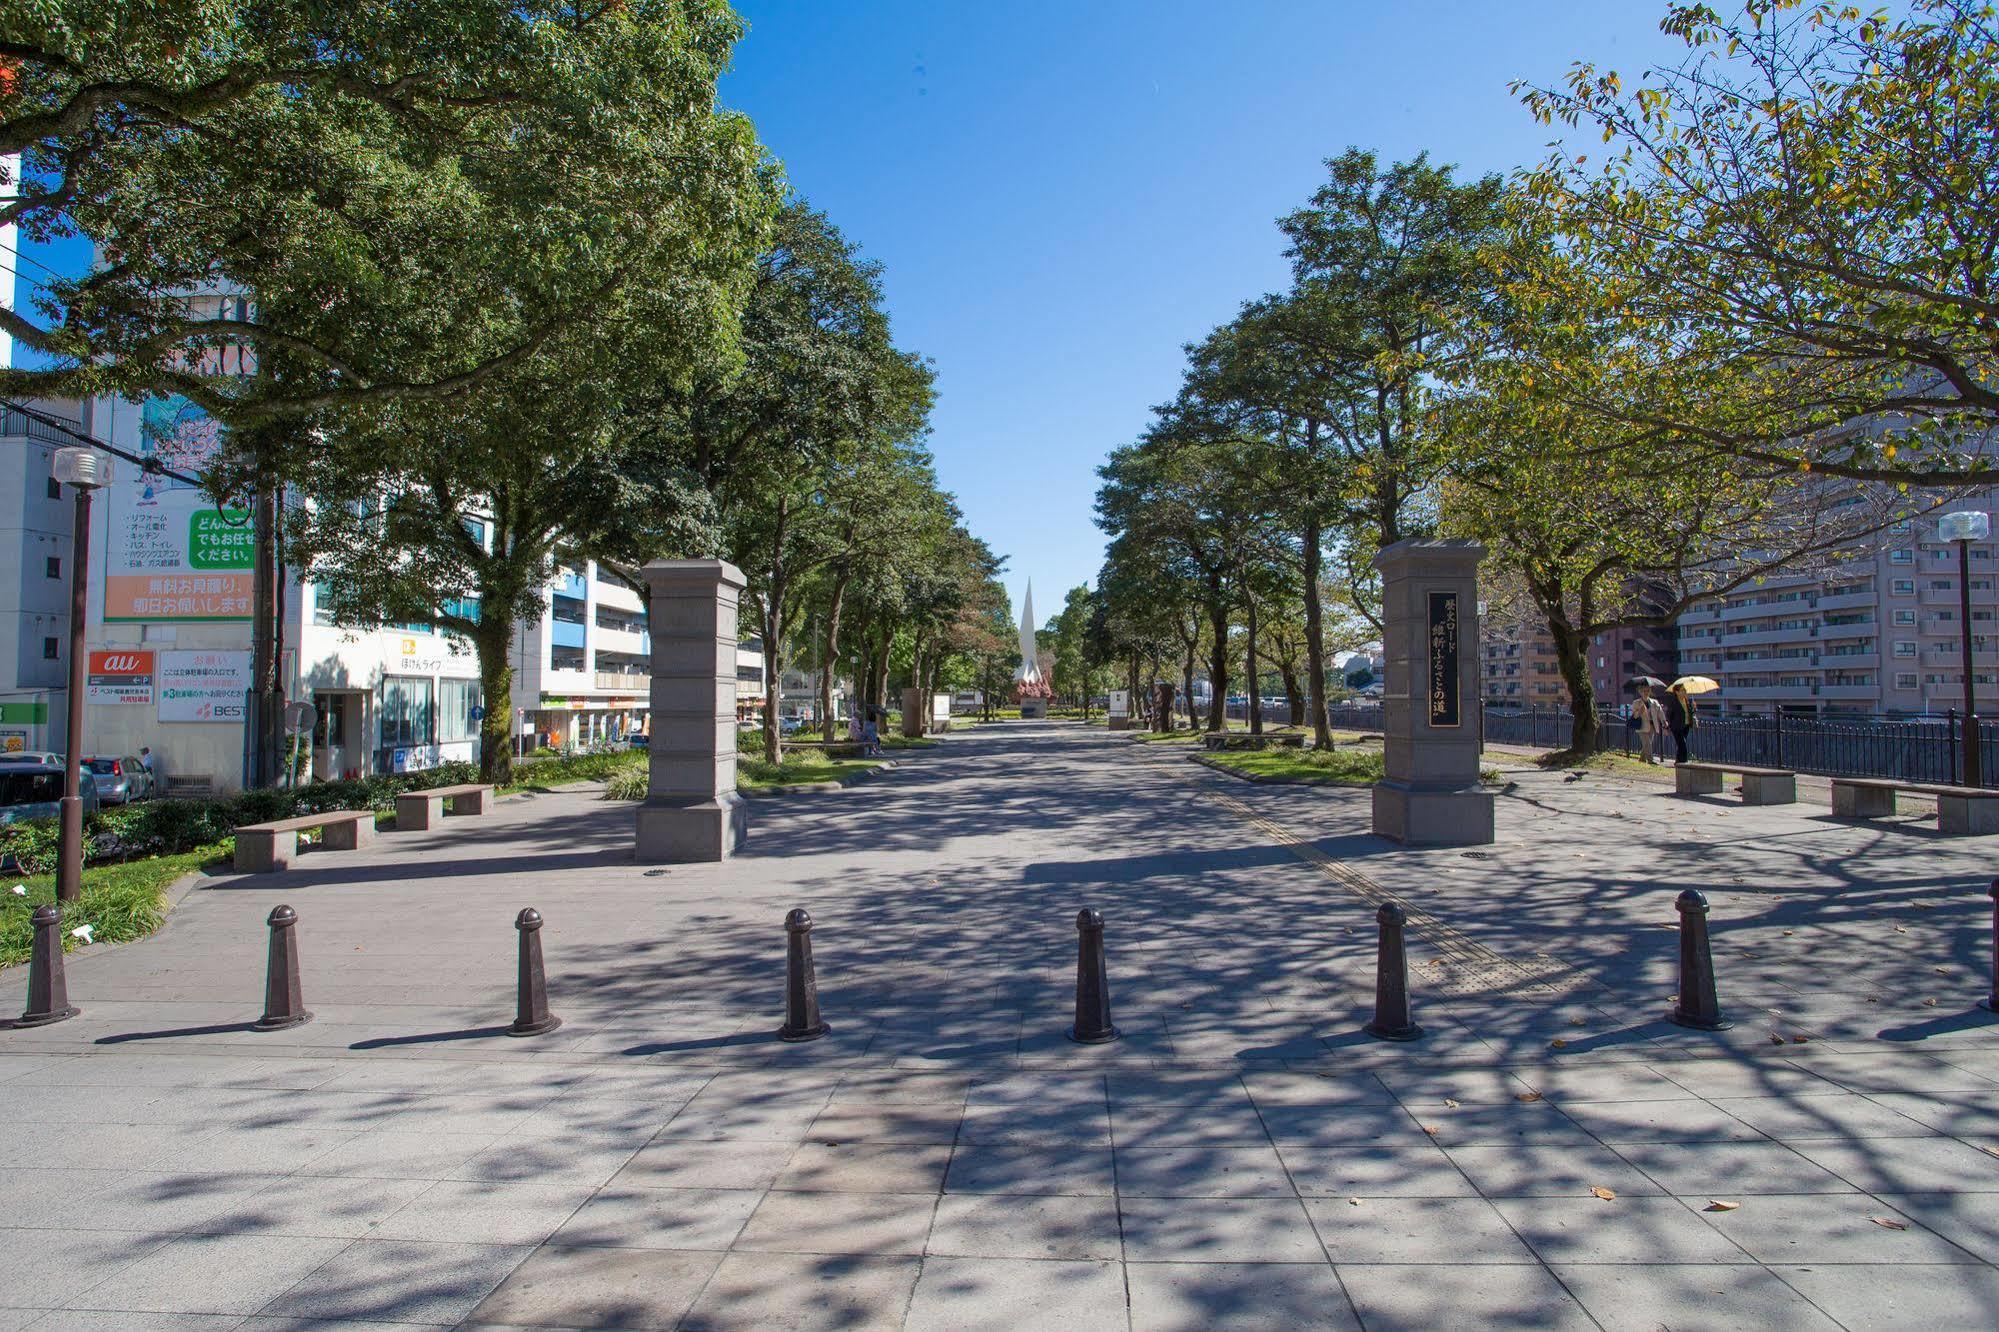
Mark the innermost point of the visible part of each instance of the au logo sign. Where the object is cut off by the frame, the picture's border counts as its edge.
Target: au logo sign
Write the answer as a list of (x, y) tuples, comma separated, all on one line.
[(119, 675)]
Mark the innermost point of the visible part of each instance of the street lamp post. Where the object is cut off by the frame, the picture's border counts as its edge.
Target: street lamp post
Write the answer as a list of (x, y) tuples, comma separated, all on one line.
[(83, 470), (1965, 528)]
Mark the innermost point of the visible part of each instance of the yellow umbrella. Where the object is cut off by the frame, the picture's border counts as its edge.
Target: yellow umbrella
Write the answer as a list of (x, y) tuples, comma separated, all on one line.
[(1696, 684)]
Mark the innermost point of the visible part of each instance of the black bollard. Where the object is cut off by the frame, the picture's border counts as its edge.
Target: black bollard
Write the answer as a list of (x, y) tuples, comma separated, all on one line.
[(284, 1006), (1392, 1020), (801, 982), (531, 1015), (1093, 986), (1991, 1001), (1698, 1006), (48, 989)]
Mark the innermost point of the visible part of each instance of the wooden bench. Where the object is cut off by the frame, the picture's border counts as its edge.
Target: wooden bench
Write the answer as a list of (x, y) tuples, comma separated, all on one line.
[(1961, 810), (1242, 740), (1760, 786), (265, 848), (418, 810)]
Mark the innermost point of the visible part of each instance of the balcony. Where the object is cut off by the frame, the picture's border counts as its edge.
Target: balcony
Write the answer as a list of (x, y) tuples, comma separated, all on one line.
[(1848, 693), (624, 682), (1850, 661), (1768, 694), (1763, 636), (569, 585), (1850, 601), (627, 641)]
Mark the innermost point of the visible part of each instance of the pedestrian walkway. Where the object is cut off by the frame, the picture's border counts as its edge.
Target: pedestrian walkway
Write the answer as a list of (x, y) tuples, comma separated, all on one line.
[(1551, 1153)]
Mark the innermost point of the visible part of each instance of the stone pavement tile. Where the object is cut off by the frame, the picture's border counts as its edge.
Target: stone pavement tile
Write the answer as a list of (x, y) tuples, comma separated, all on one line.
[(478, 1212), (1969, 1220), (414, 1076), (1423, 1088), (1746, 1077), (1641, 1297), (396, 1154), (920, 1123), (1830, 1228), (1070, 1123), (861, 1223), (1422, 1299), (990, 1087), (803, 1292), (210, 1274), (148, 1201), (1175, 1088), (577, 1114), (1619, 1230), (865, 1168), (1011, 1168), (660, 1218), (1900, 1294), (705, 1164), (1874, 1072), (1415, 1230), (1270, 1089), (867, 1087), (1604, 1082), (1905, 1165), (1320, 1125), (1962, 1114), (318, 1205), (1619, 1122), (1201, 1172), (1549, 1170), (43, 1269), (1222, 1230), (1848, 1115), (13, 1066), (970, 1225), (88, 1146), (1249, 1297), (1187, 1126), (399, 1281), (1420, 1170), (1006, 1294), (98, 1320), (632, 1288), (1730, 1169), (1497, 1125), (12, 1320), (588, 1158)]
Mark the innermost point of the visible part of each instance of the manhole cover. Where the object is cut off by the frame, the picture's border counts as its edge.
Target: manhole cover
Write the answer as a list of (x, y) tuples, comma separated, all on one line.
[(654, 874)]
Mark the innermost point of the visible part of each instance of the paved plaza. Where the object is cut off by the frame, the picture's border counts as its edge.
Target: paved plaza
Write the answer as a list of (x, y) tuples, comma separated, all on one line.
[(1551, 1153)]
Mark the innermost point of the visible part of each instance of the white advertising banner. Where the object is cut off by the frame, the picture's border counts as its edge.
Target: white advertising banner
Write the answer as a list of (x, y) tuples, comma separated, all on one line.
[(1120, 703), (204, 686), (171, 554)]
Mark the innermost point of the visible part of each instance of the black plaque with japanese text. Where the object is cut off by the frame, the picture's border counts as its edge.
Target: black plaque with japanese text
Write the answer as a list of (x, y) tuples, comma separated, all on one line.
[(1443, 681)]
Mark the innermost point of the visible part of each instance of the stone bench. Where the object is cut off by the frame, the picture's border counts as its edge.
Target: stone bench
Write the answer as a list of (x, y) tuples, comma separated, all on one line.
[(1241, 740), (1760, 786), (418, 810), (1961, 810), (265, 848)]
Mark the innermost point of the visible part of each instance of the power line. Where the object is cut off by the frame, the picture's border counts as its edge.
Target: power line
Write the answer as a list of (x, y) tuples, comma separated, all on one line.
[(152, 466)]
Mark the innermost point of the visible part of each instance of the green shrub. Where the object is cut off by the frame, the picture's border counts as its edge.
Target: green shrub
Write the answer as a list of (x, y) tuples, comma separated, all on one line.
[(630, 785)]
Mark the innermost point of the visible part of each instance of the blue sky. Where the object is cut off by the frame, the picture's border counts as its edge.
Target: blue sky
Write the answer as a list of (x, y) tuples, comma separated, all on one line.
[(1064, 194)]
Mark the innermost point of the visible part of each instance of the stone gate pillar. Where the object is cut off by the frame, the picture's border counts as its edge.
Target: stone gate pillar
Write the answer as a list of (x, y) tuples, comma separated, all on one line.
[(1431, 794), (692, 810)]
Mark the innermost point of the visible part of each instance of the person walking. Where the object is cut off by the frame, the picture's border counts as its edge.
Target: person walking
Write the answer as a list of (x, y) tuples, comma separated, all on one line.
[(1679, 719), (1651, 715)]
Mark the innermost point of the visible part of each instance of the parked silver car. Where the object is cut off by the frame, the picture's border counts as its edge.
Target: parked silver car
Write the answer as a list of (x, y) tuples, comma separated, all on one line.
[(34, 791), (120, 780)]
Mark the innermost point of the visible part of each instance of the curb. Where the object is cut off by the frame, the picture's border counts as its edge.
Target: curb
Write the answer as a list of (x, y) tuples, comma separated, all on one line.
[(821, 788), (1269, 779)]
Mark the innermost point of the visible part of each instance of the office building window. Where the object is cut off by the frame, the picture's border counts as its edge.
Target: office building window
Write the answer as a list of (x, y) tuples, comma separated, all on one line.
[(1905, 617), (457, 710), (406, 710), (51, 649), (1904, 648), (53, 565)]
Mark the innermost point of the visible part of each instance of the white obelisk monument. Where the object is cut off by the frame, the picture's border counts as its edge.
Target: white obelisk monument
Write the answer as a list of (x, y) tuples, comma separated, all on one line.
[(1027, 681)]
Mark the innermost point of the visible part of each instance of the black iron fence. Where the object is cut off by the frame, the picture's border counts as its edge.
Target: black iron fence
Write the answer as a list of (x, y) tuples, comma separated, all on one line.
[(1924, 749)]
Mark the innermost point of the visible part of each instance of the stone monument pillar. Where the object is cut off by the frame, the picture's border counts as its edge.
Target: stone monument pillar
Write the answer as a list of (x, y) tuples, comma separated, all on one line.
[(1431, 794), (692, 811), (915, 712)]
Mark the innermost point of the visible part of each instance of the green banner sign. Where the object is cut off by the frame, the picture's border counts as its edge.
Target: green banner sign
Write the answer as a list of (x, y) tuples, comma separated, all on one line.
[(34, 713), (220, 540)]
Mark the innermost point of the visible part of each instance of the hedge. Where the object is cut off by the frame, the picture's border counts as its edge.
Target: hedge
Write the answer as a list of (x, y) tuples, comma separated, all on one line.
[(171, 827)]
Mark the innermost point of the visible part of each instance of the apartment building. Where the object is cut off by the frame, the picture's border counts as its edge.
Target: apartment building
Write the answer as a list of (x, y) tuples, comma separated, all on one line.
[(1881, 634), (36, 520), (583, 671), (1518, 667)]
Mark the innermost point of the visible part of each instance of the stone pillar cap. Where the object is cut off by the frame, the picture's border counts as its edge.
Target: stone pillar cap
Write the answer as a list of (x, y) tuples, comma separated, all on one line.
[(1415, 548), (658, 572)]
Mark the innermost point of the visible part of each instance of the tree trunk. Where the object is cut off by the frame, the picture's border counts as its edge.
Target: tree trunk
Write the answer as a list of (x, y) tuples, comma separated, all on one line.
[(1572, 659), (829, 659), (1218, 660), (770, 617), (1294, 704), (494, 644), (1255, 709), (1315, 640)]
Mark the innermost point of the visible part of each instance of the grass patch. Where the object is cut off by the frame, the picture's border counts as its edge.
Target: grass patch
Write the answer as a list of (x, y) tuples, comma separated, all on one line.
[(910, 742), (120, 902), (800, 768), (1351, 767)]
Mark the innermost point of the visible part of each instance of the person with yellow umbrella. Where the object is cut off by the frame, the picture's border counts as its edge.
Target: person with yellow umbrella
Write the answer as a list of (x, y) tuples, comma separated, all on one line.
[(1680, 715)]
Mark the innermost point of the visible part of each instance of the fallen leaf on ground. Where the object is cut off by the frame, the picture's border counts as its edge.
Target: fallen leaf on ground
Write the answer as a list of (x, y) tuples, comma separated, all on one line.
[(1989, 1151), (1929, 1003), (1578, 1022), (1901, 929), (1889, 1223), (1354, 1201), (1790, 931), (1717, 1205), (1941, 971), (1608, 1195), (1558, 1044), (1535, 1096), (1800, 1040), (1449, 1102), (1776, 1038), (1430, 1129)]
